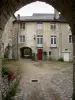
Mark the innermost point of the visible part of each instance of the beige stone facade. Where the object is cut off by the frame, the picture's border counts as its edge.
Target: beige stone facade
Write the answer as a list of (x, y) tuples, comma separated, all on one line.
[(61, 33), (50, 30)]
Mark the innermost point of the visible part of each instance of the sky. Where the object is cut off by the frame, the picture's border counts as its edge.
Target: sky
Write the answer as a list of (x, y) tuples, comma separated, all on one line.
[(35, 7)]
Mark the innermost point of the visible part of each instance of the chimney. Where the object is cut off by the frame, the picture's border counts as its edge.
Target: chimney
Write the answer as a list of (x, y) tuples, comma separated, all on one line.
[(18, 17), (56, 14)]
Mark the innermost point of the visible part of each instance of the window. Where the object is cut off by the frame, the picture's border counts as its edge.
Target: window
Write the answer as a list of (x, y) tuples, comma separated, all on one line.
[(39, 39), (53, 41), (22, 25), (53, 26), (39, 25), (70, 38), (22, 38)]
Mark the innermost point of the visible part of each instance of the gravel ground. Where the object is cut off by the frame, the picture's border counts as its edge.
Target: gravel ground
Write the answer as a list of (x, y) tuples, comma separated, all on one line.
[(45, 80)]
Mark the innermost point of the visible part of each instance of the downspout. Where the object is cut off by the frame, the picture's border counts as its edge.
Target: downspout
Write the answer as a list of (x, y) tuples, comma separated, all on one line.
[(17, 40), (60, 43)]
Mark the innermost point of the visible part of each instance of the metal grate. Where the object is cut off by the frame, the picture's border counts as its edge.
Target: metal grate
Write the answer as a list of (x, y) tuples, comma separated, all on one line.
[(34, 80)]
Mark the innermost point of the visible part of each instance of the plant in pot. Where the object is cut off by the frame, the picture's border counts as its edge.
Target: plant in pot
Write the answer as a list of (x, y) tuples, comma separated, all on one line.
[(33, 56)]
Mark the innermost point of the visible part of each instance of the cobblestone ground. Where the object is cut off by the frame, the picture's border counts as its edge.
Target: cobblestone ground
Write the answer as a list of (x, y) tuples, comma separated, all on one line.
[(45, 80)]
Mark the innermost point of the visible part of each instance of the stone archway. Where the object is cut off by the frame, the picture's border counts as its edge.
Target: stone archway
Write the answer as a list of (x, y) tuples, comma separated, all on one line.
[(8, 7), (26, 52), (66, 7)]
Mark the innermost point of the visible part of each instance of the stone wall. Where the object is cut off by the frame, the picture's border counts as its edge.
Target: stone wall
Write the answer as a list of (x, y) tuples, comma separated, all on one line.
[(0, 78), (7, 84)]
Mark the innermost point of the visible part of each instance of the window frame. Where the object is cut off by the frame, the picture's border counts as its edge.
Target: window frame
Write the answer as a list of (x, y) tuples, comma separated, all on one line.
[(22, 25), (53, 26), (21, 38), (40, 25), (39, 41), (53, 40)]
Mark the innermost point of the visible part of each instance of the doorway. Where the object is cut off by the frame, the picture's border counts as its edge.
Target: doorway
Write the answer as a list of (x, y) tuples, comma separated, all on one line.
[(40, 54), (26, 52)]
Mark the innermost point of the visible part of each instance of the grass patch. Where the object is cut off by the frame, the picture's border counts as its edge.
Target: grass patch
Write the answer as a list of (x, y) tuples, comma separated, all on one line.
[(11, 65)]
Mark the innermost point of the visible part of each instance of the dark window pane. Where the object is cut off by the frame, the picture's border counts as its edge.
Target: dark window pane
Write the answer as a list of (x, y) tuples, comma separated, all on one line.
[(41, 40), (54, 40), (23, 25), (70, 38), (23, 38), (37, 40), (51, 26), (51, 40)]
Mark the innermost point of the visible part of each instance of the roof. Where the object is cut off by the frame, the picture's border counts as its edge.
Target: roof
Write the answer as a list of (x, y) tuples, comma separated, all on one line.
[(41, 17), (37, 17)]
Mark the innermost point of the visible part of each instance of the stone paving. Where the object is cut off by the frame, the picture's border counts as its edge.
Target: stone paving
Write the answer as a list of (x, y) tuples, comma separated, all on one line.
[(45, 80)]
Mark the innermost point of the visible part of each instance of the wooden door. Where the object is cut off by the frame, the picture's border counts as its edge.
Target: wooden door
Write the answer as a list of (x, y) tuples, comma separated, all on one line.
[(40, 52)]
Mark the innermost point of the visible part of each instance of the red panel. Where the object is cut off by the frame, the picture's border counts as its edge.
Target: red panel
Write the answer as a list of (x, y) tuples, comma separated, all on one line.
[(40, 52)]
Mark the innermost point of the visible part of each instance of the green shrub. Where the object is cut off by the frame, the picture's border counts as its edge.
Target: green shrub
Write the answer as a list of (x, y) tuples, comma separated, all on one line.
[(4, 71), (61, 59), (13, 91), (33, 56)]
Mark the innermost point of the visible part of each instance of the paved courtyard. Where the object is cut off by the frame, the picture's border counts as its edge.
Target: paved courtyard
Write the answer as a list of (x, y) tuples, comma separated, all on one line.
[(45, 80)]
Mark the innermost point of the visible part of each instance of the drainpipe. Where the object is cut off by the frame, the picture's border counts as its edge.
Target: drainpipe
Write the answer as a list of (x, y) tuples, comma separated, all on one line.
[(60, 43), (18, 19)]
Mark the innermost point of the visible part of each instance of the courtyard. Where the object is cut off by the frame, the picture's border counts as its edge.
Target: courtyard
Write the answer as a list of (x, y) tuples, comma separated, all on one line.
[(45, 80)]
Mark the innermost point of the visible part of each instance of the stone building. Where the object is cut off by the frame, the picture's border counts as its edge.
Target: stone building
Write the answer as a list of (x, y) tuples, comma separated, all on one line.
[(42, 34), (6, 46)]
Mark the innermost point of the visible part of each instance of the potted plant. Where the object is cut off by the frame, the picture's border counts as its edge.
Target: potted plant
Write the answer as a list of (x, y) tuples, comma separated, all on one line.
[(33, 56)]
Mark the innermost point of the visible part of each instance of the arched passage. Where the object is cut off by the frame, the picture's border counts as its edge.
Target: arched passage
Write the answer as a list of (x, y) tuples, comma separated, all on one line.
[(25, 52), (66, 7), (8, 7)]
